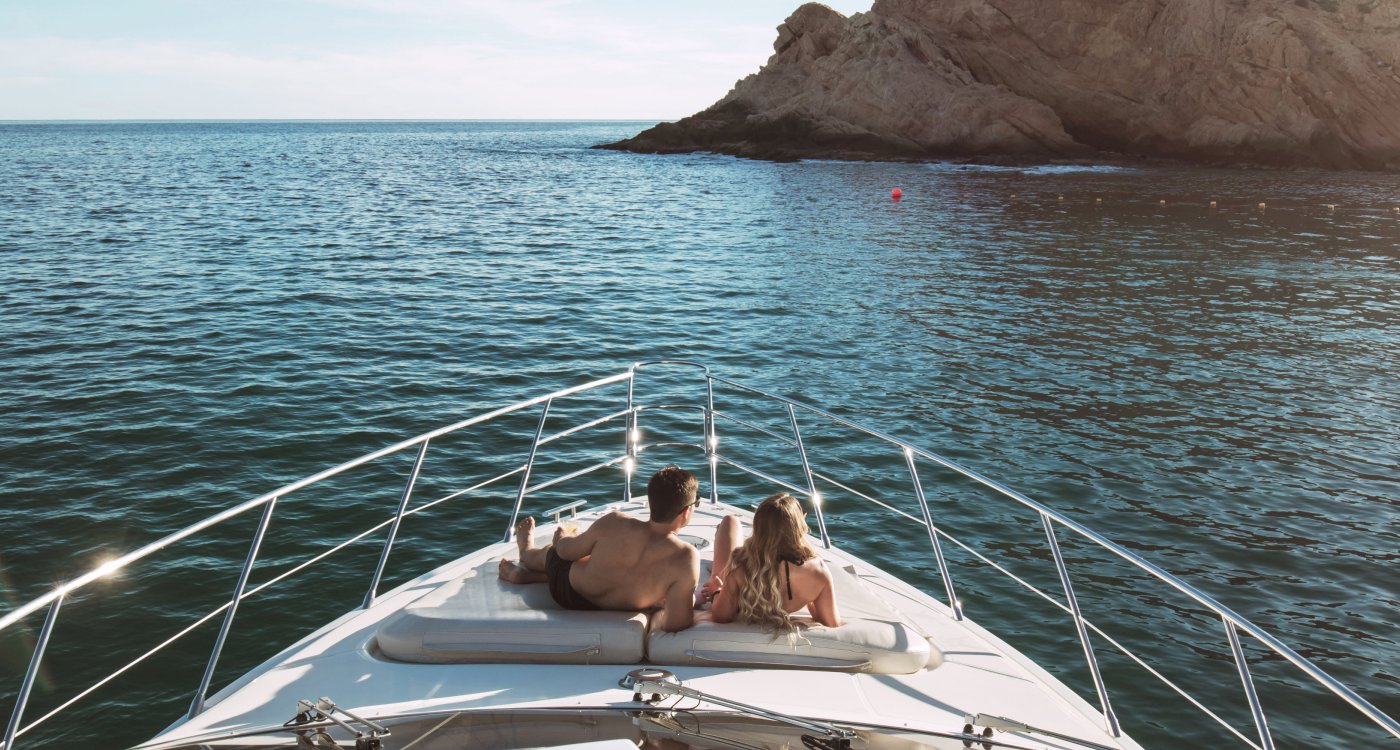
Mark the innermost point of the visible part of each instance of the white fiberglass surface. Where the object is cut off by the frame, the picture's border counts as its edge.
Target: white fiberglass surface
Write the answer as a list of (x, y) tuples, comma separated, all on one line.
[(978, 673)]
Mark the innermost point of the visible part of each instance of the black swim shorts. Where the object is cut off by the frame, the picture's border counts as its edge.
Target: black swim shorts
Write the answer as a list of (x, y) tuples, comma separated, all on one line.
[(557, 569)]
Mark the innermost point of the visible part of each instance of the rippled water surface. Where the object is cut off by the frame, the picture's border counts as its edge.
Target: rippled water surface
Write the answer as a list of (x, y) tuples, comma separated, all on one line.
[(193, 314)]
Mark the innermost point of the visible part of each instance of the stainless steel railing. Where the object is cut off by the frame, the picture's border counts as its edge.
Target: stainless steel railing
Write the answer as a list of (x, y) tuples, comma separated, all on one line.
[(1234, 624), (633, 446), (54, 599)]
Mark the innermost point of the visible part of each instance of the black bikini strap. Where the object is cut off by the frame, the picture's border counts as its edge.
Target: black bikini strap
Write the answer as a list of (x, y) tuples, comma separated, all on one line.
[(787, 572)]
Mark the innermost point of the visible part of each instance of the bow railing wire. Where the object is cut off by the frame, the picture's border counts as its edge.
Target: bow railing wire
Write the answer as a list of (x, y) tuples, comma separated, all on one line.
[(633, 448)]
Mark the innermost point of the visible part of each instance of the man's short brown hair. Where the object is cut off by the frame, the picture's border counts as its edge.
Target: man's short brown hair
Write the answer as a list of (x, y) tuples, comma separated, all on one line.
[(669, 492)]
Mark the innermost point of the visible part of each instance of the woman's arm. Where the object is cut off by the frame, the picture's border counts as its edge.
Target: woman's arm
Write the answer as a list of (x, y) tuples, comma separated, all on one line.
[(823, 608), (726, 603)]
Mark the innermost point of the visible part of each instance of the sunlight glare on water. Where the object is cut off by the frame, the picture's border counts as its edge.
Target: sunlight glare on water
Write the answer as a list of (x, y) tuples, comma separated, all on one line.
[(193, 314)]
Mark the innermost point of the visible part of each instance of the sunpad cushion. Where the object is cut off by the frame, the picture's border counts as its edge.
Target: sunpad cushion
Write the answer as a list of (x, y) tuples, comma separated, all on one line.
[(480, 618), (872, 638)]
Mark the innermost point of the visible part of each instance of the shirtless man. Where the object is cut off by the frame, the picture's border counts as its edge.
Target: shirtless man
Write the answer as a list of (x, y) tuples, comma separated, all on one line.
[(621, 562)]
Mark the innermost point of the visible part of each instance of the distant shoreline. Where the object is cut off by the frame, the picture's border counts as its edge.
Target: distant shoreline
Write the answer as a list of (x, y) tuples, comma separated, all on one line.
[(1098, 160)]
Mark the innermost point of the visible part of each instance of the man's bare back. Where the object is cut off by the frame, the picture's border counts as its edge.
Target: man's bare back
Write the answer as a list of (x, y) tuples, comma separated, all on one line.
[(619, 563)]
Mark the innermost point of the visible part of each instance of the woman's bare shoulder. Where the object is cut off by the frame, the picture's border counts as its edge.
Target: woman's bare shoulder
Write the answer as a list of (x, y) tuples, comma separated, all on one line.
[(816, 568)]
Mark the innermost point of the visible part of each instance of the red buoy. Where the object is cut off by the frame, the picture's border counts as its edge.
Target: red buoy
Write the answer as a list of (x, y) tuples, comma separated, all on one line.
[(896, 194)]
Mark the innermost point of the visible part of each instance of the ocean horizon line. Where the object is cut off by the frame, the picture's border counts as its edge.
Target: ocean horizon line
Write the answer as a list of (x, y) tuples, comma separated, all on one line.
[(60, 120)]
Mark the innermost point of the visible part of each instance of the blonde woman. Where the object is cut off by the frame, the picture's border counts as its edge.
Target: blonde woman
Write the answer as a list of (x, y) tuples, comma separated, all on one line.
[(775, 573)]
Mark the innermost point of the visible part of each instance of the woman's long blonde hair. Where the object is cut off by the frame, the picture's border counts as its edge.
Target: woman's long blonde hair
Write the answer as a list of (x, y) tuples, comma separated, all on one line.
[(779, 533)]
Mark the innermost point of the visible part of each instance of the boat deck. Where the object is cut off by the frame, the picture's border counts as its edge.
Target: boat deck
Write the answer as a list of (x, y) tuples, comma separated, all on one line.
[(979, 673)]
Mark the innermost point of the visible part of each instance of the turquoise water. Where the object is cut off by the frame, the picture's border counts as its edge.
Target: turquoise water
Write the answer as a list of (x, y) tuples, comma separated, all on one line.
[(195, 313)]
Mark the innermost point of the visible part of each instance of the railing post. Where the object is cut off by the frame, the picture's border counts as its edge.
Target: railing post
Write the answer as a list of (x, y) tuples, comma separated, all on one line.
[(29, 676), (811, 485), (1265, 738), (628, 443), (197, 705), (529, 464), (933, 537), (1110, 719), (711, 439), (394, 527)]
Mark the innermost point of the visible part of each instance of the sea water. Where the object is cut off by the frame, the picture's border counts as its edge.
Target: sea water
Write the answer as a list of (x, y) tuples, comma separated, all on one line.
[(1198, 363)]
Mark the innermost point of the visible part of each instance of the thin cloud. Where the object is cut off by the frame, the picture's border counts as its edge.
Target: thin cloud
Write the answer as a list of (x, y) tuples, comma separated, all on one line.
[(442, 80), (573, 22), (398, 58)]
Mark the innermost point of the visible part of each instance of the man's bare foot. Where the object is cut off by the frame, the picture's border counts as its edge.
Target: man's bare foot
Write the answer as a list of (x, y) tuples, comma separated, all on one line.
[(514, 573), (525, 535)]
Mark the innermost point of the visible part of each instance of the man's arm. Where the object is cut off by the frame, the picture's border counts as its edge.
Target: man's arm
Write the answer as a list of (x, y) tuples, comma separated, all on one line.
[(580, 546), (678, 613)]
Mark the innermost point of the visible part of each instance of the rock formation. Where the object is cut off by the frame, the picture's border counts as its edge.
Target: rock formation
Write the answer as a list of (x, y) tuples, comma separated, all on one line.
[(1279, 82)]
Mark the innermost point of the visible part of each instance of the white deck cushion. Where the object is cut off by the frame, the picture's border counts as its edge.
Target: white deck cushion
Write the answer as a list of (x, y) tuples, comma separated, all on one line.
[(480, 618), (872, 638)]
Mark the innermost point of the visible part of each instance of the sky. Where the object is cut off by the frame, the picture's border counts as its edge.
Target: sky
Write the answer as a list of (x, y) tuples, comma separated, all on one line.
[(380, 59)]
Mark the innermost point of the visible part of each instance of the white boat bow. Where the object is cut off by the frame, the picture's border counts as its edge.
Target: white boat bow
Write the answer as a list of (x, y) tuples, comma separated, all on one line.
[(455, 657)]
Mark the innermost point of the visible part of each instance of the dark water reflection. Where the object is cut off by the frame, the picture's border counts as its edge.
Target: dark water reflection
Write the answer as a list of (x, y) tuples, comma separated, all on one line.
[(194, 314)]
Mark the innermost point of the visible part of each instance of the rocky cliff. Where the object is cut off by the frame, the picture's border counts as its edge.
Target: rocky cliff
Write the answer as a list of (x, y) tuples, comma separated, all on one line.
[(1279, 82)]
